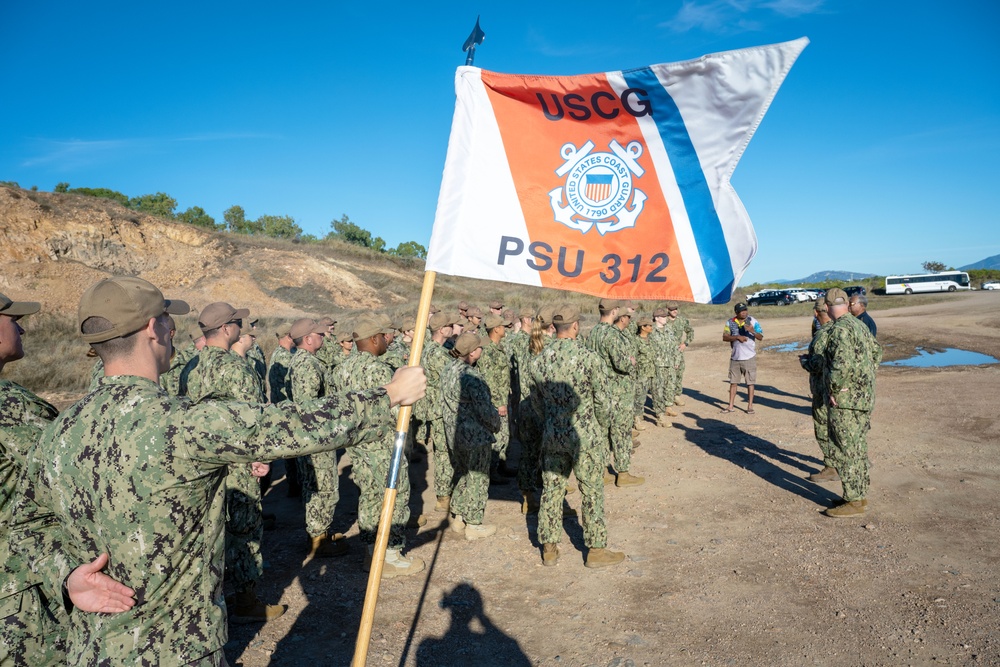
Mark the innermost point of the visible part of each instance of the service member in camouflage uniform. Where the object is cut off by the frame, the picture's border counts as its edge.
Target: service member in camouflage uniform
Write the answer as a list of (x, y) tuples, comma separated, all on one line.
[(33, 618), (813, 362), (372, 459), (607, 340), (683, 336), (851, 357), (433, 359), (529, 430), (318, 473), (644, 369), (144, 481), (171, 380), (277, 382), (254, 354), (570, 396), (494, 365), (470, 422), (665, 349), (330, 354), (217, 373)]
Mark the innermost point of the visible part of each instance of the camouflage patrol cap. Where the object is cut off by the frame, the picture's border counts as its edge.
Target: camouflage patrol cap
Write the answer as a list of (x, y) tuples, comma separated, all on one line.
[(607, 305), (18, 308), (528, 312), (128, 303), (672, 305), (660, 312), (439, 320), (304, 326), (545, 314), (644, 322), (328, 321), (474, 311), (496, 304), (466, 343), (565, 313), (492, 321), (837, 297), (214, 315), (367, 326)]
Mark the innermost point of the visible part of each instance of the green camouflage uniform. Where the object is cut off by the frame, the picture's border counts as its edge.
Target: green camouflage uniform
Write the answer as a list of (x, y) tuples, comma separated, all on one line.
[(171, 380), (529, 427), (278, 374), (32, 625), (329, 354), (397, 355), (217, 374), (96, 373), (851, 358), (613, 349), (571, 396), (820, 399), (372, 459), (682, 333), (428, 409), (494, 365), (644, 371), (470, 422), (133, 472), (665, 348), (318, 474), (516, 345), (255, 357)]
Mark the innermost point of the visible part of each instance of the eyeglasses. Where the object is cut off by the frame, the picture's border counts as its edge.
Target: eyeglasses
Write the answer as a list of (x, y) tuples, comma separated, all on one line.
[(238, 323)]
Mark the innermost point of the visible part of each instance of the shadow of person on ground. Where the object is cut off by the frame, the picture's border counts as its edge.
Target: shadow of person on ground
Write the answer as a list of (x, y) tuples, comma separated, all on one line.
[(472, 638), (759, 456)]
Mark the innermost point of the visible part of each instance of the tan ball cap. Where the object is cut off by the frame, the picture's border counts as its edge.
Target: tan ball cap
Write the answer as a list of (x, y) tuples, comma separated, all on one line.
[(305, 326), (565, 313), (439, 320), (492, 321), (18, 308), (837, 297), (214, 315), (368, 326), (128, 303), (466, 343)]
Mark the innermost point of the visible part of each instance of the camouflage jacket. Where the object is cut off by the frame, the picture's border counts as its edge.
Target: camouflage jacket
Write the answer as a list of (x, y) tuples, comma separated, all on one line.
[(681, 327), (133, 472), (665, 346), (608, 342), (278, 374), (815, 358), (470, 420), (433, 359), (516, 345), (644, 362), (397, 355), (306, 377), (255, 357), (851, 357), (218, 374), (570, 396), (361, 371), (23, 416), (494, 366), (171, 380), (329, 354), (96, 373)]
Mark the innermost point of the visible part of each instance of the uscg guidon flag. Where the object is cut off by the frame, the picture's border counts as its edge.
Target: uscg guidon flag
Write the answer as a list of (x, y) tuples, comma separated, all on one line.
[(613, 184)]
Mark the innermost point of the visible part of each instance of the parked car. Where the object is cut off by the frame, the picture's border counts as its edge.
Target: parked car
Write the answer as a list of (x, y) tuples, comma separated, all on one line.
[(855, 289), (771, 298), (800, 293), (993, 284)]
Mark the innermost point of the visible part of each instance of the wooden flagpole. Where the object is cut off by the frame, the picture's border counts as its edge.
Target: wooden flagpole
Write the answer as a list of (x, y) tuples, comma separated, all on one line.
[(389, 500)]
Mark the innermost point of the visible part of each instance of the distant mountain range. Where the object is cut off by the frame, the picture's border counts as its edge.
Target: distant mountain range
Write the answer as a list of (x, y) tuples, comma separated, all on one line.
[(826, 276), (988, 263)]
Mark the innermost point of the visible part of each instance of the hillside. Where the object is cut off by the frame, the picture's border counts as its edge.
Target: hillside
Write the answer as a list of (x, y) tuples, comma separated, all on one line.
[(827, 276), (988, 263)]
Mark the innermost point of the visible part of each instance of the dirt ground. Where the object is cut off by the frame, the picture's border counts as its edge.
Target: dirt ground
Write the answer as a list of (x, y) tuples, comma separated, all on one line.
[(729, 561)]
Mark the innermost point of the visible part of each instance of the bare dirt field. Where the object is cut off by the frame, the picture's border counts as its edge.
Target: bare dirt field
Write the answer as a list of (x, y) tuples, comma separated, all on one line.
[(729, 561)]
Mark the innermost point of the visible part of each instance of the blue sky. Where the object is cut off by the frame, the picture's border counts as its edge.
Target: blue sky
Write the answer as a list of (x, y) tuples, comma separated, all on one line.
[(877, 154)]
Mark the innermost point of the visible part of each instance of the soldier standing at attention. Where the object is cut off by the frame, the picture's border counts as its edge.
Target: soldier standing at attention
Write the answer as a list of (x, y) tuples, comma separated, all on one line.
[(253, 353), (433, 359), (470, 422), (33, 618), (216, 373), (317, 472), (160, 511), (607, 340), (516, 344), (851, 357), (663, 344), (683, 337), (570, 397), (277, 382), (329, 355), (644, 369), (742, 333), (171, 380), (813, 362), (373, 458), (530, 427), (494, 365)]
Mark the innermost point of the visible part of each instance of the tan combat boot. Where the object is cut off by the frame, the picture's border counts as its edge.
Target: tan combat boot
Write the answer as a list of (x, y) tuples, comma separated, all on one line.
[(457, 523), (608, 478), (848, 509), (670, 412), (827, 474), (550, 554), (474, 532), (324, 546), (603, 558), (443, 503), (625, 479), (679, 400), (640, 423), (248, 609), (529, 505), (398, 565), (663, 422)]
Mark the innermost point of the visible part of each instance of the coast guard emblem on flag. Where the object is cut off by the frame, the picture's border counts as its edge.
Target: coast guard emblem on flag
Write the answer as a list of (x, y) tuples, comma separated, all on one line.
[(598, 190)]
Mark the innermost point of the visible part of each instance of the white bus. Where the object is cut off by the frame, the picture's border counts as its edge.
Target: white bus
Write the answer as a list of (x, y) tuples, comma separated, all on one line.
[(947, 281)]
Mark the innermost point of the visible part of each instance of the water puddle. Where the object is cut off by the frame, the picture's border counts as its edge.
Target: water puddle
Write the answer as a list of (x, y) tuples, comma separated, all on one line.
[(788, 347), (940, 358)]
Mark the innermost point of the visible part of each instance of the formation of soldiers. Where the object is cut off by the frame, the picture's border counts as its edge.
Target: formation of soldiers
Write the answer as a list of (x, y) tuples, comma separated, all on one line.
[(200, 422)]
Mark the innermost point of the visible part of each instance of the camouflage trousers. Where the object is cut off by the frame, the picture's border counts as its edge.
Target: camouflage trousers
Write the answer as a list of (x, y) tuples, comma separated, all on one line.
[(244, 528), (371, 472), (530, 437), (588, 465), (472, 468), (642, 387), (502, 438), (320, 490), (849, 450), (821, 427), (444, 471), (662, 399), (32, 630), (620, 428), (675, 379)]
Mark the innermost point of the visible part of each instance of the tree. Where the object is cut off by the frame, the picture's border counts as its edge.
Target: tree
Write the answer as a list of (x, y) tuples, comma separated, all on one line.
[(160, 204), (934, 267), (61, 187), (236, 221), (196, 216), (410, 249), (103, 193), (347, 231), (279, 226)]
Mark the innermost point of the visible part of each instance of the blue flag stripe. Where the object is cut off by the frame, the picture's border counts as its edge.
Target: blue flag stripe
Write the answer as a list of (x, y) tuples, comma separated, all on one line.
[(705, 223)]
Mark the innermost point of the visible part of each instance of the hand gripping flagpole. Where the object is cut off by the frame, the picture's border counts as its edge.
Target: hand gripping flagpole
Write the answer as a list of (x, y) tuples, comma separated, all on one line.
[(389, 500)]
